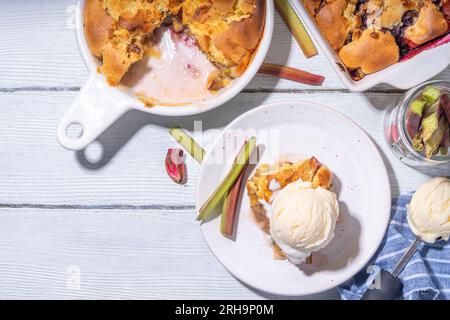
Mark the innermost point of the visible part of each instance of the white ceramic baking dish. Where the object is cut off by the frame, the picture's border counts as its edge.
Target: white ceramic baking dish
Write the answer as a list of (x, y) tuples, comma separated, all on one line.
[(99, 105), (402, 75)]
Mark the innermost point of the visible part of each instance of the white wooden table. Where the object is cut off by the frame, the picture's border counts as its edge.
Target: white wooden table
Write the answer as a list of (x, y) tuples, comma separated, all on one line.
[(109, 216)]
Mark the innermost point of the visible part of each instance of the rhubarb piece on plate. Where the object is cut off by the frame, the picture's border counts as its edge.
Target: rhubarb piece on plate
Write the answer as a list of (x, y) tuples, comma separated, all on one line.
[(224, 187), (229, 208)]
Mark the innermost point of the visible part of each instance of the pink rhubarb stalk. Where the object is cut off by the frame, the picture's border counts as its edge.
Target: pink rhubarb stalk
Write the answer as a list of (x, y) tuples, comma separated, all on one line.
[(176, 166), (292, 74)]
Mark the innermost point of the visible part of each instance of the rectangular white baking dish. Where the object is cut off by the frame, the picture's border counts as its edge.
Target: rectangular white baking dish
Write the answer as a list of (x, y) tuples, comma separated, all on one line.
[(402, 75)]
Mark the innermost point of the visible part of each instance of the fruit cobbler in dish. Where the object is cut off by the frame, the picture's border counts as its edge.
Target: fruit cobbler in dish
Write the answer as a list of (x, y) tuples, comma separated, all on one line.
[(370, 35), (122, 32)]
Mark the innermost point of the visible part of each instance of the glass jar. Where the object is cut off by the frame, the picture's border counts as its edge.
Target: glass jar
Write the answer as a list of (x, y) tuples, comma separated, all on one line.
[(397, 136)]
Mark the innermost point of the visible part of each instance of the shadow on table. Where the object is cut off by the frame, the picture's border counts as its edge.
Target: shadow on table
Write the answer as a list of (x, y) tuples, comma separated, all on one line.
[(117, 136), (381, 96)]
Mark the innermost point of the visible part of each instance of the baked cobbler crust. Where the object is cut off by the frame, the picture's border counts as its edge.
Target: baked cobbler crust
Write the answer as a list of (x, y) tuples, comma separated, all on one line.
[(284, 173), (372, 51), (430, 24), (370, 35), (333, 24), (392, 14), (119, 32), (231, 41)]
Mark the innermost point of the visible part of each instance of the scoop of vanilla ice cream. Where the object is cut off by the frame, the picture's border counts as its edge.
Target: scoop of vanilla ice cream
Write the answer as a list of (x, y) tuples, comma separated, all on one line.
[(429, 210), (303, 219)]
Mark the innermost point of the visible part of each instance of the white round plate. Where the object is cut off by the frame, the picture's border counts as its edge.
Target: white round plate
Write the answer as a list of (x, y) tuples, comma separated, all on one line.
[(360, 180)]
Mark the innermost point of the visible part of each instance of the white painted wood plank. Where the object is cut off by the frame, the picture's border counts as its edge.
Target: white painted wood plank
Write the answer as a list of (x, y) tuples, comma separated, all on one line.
[(117, 254), (34, 169), (41, 50)]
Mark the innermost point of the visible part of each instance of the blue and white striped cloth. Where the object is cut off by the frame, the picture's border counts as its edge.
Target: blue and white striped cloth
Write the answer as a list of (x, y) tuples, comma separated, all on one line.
[(425, 277)]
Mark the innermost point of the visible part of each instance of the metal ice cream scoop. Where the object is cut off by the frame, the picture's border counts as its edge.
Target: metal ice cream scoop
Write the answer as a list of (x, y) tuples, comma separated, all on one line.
[(390, 287)]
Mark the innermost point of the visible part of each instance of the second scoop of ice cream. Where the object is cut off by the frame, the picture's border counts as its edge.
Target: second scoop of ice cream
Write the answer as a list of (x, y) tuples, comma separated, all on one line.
[(429, 210), (303, 219)]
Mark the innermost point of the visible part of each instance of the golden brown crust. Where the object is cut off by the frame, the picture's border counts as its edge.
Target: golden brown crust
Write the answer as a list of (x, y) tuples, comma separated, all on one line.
[(333, 24), (284, 173), (430, 24), (392, 13), (241, 39), (373, 51), (117, 60), (312, 6), (342, 22), (98, 26), (228, 31)]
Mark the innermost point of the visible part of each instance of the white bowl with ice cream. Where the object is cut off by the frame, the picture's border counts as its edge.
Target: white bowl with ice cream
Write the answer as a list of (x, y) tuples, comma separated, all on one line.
[(343, 239), (99, 105)]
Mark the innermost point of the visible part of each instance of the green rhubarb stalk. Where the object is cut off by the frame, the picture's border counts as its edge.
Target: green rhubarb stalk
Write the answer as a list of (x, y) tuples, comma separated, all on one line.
[(297, 28), (188, 143), (431, 94), (229, 181)]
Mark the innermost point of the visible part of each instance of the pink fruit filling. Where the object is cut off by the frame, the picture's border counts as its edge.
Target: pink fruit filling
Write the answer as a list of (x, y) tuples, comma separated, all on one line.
[(178, 74)]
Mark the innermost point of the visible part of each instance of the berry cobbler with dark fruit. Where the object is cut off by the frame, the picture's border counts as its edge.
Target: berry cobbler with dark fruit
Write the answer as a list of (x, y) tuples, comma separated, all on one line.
[(370, 35)]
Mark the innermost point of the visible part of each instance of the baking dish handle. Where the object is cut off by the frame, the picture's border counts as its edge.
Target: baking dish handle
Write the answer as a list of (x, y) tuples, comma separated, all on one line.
[(96, 107)]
